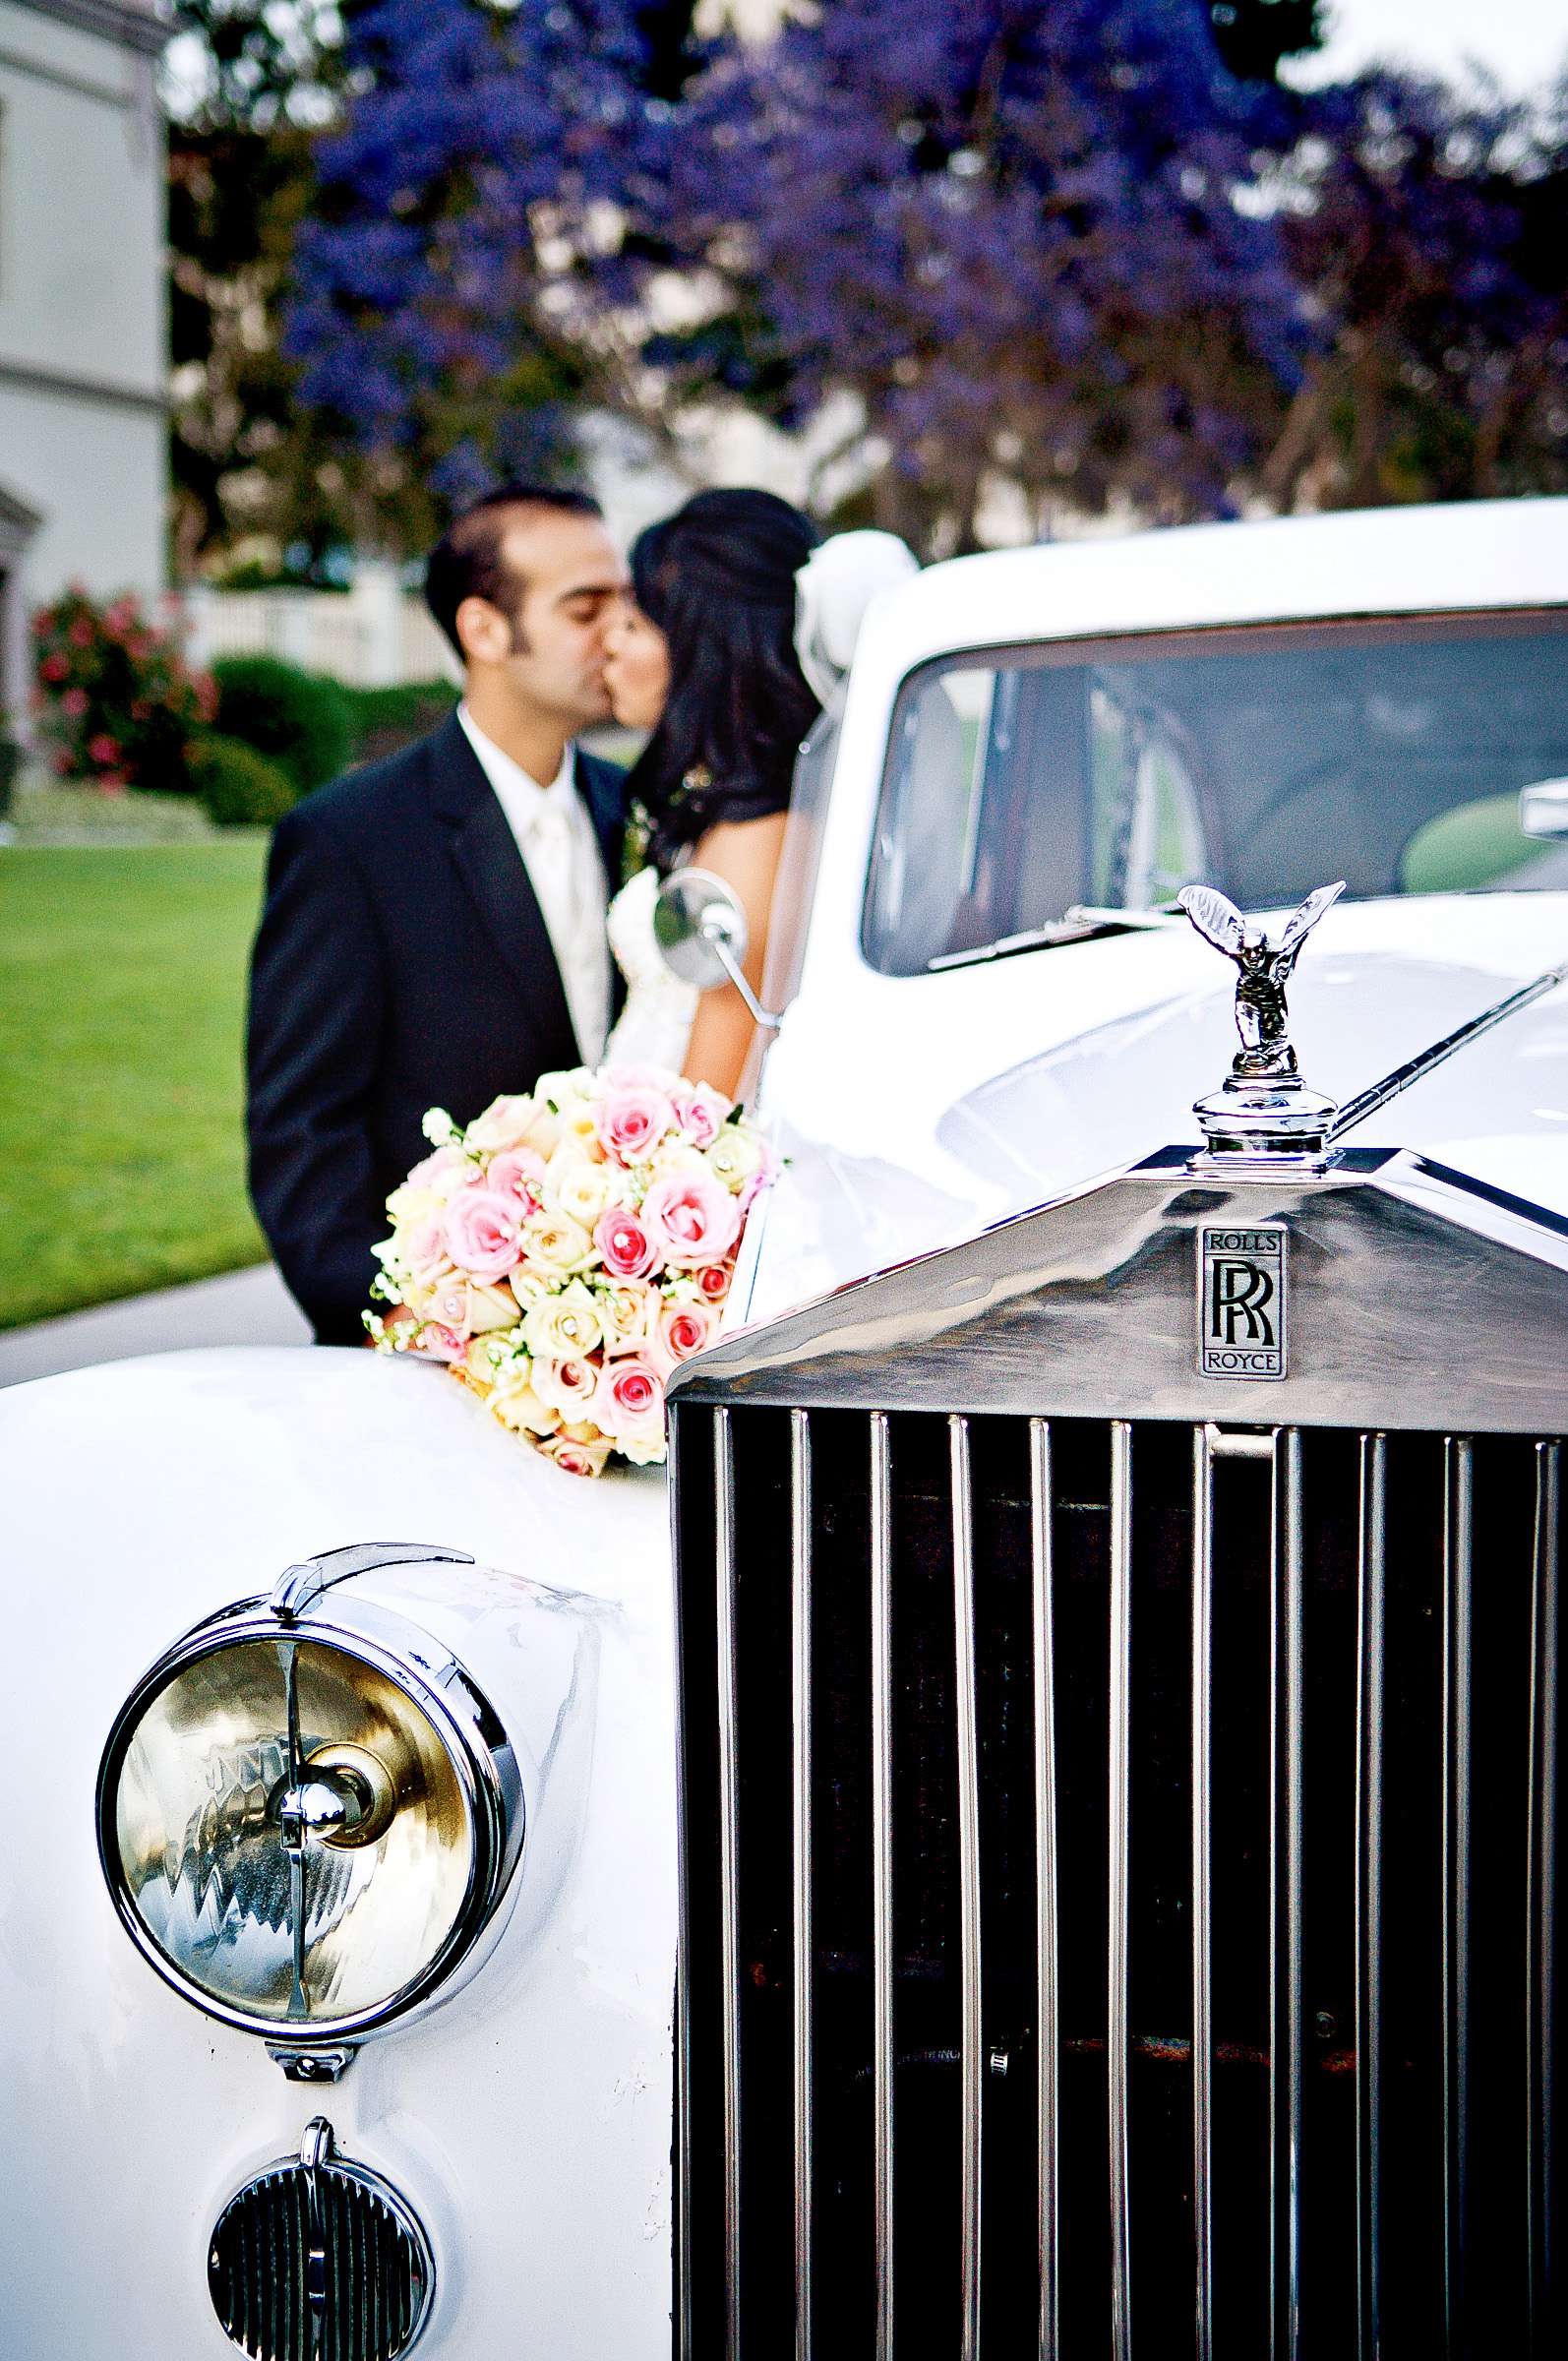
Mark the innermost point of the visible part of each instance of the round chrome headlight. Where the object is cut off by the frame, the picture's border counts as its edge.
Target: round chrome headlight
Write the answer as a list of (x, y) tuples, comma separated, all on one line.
[(308, 1819)]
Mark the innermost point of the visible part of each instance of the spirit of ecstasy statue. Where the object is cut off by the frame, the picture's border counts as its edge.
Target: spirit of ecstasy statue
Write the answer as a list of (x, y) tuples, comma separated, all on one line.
[(1264, 1111)]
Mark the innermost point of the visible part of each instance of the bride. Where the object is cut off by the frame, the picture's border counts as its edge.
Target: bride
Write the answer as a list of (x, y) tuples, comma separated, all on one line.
[(742, 630)]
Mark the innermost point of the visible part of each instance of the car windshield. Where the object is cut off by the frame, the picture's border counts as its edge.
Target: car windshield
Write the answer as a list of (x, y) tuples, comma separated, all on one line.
[(1031, 783)]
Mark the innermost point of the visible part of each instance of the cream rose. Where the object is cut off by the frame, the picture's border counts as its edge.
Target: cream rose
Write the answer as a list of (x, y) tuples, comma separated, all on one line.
[(543, 1132), (528, 1284), (568, 1384), (565, 1087), (429, 1186), (628, 1311), (522, 1409), (577, 1140), (562, 1325), (486, 1361), (490, 1307), (450, 1302), (677, 1156), (504, 1124), (642, 1450), (556, 1245), (408, 1208), (575, 1453), (582, 1190), (733, 1157)]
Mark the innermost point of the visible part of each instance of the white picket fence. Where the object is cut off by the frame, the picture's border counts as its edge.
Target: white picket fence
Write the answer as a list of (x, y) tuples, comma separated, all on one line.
[(374, 635)]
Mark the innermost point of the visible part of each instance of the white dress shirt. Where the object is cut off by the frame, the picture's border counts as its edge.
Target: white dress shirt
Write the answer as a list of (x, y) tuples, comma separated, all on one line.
[(555, 835)]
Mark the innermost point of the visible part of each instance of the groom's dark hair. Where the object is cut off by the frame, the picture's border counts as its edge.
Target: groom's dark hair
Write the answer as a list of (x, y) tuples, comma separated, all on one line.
[(466, 562)]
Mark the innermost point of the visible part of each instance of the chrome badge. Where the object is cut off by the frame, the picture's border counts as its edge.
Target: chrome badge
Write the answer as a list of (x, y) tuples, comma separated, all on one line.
[(1241, 1301)]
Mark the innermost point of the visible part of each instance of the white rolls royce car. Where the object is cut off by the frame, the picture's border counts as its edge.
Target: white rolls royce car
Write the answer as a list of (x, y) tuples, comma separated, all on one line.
[(1043, 1836)]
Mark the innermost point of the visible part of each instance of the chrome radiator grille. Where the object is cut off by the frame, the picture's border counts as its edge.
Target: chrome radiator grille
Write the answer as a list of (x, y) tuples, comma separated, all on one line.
[(1119, 1887)]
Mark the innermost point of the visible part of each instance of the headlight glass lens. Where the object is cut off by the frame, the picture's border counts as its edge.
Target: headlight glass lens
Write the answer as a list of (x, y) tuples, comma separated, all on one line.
[(297, 1885)]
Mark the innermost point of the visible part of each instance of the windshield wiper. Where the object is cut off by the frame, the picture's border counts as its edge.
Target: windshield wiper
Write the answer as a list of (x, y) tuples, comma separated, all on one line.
[(1083, 922)]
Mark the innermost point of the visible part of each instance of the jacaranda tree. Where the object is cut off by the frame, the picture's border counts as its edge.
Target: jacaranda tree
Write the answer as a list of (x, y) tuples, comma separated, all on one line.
[(1013, 234), (464, 242), (1432, 233), (1091, 249)]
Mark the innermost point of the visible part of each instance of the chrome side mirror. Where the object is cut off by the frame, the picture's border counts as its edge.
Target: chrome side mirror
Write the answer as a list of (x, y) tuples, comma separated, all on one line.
[(1544, 808), (700, 929)]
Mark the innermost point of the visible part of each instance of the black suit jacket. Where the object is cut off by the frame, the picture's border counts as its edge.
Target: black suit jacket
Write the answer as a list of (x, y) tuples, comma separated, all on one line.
[(403, 962)]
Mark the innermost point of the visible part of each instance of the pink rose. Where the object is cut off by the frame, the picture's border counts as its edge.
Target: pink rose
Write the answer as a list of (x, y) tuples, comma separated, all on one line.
[(53, 668), (573, 1458), (103, 748), (700, 1112), (765, 1177), (693, 1217), (625, 1246), (684, 1329), (630, 1396), (81, 632), (426, 1247), (632, 1119), (518, 1173), (433, 1169), (568, 1384), (714, 1281), (438, 1342), (74, 704), (482, 1228)]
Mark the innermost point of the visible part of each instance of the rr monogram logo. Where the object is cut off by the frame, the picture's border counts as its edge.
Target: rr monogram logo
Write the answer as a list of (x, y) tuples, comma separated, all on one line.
[(1241, 1303), (1240, 1295)]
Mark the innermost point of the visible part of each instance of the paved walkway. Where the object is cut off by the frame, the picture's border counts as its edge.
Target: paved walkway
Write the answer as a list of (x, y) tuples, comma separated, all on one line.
[(243, 1308)]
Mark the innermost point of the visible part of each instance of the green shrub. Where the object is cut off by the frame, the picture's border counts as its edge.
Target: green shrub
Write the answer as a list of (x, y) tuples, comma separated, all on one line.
[(299, 720), (384, 720), (240, 788)]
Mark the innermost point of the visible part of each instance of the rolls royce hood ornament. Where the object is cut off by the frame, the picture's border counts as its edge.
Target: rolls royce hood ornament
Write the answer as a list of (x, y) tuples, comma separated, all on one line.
[(1263, 1114)]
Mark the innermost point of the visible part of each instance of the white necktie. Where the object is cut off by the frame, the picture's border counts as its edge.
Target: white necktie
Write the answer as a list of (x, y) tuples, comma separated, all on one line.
[(551, 867), (561, 868)]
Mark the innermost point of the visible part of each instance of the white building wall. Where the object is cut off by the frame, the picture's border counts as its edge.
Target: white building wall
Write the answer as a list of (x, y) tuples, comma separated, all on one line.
[(83, 332), (97, 475)]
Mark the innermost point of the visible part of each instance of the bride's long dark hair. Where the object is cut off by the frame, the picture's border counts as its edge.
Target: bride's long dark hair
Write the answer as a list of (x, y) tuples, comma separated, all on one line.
[(718, 578)]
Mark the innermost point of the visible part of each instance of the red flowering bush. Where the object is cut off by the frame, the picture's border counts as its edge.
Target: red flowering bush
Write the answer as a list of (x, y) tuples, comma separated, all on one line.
[(116, 701)]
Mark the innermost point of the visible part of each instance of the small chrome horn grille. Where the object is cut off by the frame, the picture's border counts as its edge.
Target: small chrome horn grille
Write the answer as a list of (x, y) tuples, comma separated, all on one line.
[(318, 2259)]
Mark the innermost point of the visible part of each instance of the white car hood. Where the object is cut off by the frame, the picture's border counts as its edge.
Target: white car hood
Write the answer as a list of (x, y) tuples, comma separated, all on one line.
[(994, 1095)]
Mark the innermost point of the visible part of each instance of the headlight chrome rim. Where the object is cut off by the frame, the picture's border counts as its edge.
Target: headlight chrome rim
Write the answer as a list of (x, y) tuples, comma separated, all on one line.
[(435, 1684)]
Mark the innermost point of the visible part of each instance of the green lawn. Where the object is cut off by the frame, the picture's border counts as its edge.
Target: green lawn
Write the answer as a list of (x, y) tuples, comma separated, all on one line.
[(122, 995)]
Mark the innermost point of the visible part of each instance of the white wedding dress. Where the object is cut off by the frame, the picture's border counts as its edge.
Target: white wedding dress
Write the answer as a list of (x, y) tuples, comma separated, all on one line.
[(655, 1025), (833, 590)]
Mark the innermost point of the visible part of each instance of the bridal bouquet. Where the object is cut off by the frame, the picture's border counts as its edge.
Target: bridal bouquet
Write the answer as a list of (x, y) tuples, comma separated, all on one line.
[(570, 1249)]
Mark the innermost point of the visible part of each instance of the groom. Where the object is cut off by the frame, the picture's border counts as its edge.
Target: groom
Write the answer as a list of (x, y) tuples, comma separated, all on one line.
[(433, 932)]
